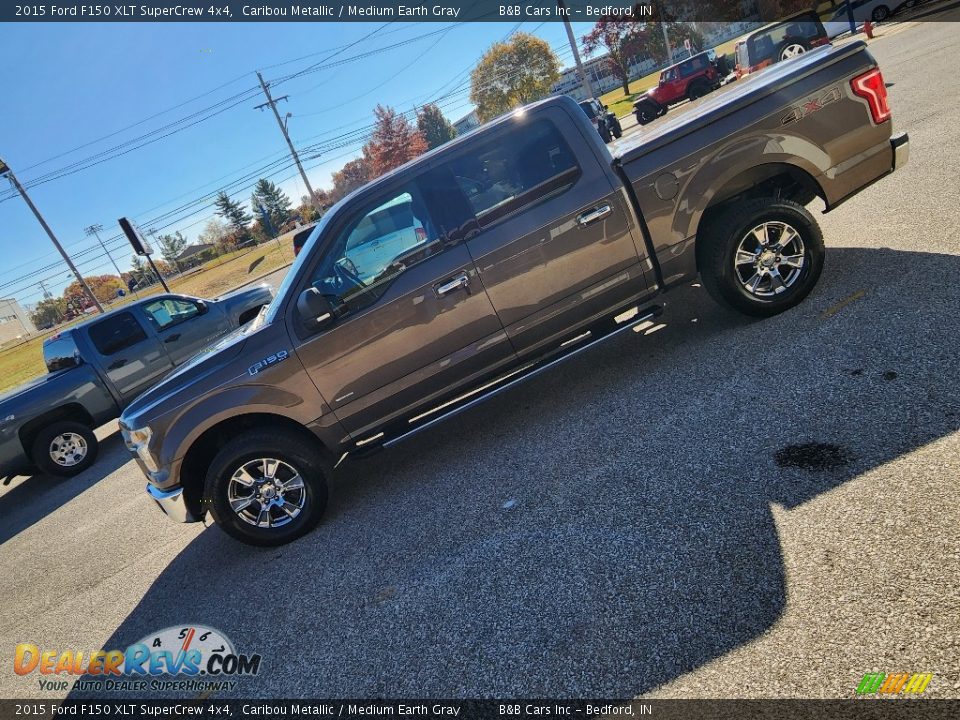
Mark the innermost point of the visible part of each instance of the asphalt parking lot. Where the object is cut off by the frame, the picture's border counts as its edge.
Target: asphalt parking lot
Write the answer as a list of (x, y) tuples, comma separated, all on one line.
[(631, 523)]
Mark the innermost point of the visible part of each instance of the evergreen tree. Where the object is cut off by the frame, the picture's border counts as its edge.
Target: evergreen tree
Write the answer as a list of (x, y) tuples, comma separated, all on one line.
[(273, 200), (434, 127), (234, 213)]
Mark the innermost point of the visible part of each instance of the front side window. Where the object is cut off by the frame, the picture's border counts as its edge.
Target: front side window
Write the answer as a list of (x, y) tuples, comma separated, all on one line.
[(116, 333), (509, 172), (170, 311), (382, 240)]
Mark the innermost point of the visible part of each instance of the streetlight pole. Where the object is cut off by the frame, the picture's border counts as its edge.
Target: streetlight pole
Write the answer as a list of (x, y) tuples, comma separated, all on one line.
[(94, 230), (5, 170)]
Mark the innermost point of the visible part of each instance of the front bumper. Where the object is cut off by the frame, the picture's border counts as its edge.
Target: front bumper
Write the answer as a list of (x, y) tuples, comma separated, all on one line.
[(172, 503), (901, 150)]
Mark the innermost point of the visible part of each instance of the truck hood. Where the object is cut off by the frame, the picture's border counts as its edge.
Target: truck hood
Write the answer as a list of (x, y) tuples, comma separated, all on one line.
[(199, 366)]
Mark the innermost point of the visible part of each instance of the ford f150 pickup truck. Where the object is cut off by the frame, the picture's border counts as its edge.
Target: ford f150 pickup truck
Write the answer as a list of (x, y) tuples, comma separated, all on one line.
[(96, 368), (493, 257)]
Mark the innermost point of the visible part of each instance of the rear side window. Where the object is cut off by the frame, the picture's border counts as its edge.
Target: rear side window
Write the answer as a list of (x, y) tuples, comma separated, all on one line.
[(116, 333), (509, 172), (60, 352)]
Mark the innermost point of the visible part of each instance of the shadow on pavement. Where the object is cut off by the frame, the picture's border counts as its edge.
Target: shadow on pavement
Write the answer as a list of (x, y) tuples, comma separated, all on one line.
[(31, 499), (641, 542)]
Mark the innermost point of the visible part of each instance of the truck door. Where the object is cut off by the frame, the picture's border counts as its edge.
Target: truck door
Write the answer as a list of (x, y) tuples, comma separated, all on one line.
[(413, 322), (132, 358), (184, 325), (556, 242)]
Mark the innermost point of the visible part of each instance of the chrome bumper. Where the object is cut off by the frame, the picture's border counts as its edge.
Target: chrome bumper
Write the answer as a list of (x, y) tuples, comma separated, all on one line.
[(901, 150), (172, 503)]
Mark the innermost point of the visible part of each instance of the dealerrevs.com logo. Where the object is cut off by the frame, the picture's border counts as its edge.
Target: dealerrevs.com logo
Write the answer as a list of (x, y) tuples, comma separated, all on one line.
[(190, 651), (894, 683)]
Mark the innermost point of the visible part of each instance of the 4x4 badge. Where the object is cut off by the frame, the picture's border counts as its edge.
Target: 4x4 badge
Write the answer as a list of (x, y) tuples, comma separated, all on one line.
[(808, 107)]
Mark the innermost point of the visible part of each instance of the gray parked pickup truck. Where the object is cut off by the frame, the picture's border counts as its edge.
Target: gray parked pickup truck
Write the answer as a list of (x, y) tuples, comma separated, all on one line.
[(493, 257), (95, 369)]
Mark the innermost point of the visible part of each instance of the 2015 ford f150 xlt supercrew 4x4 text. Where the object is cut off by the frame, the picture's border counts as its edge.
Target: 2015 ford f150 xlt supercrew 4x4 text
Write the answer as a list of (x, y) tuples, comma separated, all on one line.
[(495, 256)]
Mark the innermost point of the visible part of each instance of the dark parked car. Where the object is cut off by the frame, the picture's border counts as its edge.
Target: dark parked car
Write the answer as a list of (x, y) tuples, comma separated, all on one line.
[(603, 120), (780, 41), (687, 80), (97, 368), (512, 248)]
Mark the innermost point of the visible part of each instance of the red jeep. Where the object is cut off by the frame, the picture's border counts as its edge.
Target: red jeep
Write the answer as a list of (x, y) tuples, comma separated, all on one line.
[(690, 79)]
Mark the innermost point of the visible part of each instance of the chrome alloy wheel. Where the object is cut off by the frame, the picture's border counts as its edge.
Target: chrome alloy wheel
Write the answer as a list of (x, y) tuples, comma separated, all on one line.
[(266, 493), (792, 50), (68, 449), (769, 259)]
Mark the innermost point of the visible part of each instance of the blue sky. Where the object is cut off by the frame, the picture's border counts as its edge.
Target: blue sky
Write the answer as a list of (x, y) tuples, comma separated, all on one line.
[(67, 85)]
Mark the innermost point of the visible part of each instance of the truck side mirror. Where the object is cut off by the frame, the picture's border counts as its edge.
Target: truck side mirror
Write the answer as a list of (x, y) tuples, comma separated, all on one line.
[(202, 305), (314, 310)]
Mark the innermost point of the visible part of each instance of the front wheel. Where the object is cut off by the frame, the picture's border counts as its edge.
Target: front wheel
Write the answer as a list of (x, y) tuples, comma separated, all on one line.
[(880, 14), (761, 257), (64, 448), (605, 134), (267, 487), (617, 129)]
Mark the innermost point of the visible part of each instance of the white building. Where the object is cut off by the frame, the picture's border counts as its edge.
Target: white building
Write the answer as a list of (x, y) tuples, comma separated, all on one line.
[(14, 321), (467, 123)]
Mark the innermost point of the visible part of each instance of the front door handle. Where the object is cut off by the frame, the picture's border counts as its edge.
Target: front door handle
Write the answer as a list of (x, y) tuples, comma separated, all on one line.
[(458, 282), (591, 216), (172, 338), (117, 364)]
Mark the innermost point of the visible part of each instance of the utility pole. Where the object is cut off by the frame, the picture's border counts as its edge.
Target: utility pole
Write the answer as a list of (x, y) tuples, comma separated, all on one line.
[(561, 6), (95, 231), (5, 170), (283, 128), (666, 37)]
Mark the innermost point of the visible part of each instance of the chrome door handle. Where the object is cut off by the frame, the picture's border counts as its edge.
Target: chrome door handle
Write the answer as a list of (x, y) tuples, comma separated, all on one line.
[(590, 216), (455, 283)]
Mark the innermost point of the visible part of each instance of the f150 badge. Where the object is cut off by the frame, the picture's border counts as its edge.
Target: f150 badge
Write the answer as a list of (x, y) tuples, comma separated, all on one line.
[(808, 107), (278, 356)]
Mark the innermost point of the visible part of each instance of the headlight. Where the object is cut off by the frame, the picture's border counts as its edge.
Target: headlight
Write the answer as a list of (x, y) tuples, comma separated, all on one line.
[(139, 442)]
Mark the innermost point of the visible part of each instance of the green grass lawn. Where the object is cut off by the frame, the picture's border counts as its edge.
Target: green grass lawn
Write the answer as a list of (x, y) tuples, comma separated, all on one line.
[(215, 277)]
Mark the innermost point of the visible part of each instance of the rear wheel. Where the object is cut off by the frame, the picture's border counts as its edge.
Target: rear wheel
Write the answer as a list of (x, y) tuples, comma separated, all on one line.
[(64, 448), (617, 129), (605, 133), (697, 90), (880, 14), (267, 487), (761, 257), (646, 112)]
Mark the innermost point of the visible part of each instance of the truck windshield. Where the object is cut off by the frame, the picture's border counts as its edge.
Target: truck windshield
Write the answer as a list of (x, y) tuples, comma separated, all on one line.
[(60, 352)]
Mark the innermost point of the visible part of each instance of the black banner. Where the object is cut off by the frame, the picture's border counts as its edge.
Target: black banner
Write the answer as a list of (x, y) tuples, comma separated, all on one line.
[(415, 11), (865, 709)]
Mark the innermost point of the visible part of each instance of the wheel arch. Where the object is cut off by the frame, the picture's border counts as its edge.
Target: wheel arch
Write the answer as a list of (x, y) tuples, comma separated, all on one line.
[(193, 468), (71, 411)]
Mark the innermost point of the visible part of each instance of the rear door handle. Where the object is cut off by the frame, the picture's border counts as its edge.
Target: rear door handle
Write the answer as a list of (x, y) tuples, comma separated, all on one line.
[(591, 216), (458, 282), (172, 338)]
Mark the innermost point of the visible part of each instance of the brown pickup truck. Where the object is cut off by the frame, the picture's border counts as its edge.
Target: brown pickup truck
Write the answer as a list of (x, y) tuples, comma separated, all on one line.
[(486, 261)]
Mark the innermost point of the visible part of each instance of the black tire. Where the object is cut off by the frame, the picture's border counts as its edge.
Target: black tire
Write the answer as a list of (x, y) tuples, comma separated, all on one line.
[(722, 236), (791, 43), (880, 13), (697, 90), (646, 112), (303, 458), (605, 133), (617, 129), (51, 449)]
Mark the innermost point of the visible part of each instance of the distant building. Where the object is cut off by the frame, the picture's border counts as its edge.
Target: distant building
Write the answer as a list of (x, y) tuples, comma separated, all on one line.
[(193, 254), (14, 321), (467, 123)]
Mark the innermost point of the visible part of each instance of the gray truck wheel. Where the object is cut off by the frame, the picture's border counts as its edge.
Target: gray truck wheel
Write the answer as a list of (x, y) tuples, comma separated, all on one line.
[(64, 448), (266, 487), (760, 257)]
